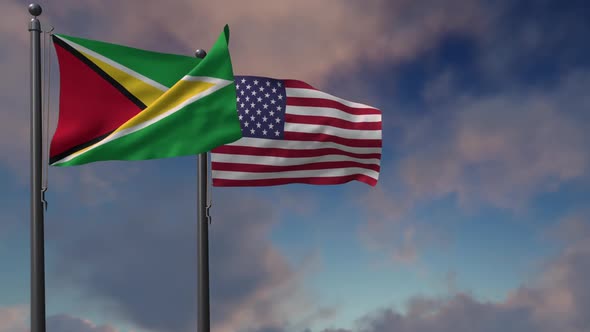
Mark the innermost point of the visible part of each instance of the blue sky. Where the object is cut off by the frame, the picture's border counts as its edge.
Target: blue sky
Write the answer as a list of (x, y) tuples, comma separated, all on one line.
[(480, 217)]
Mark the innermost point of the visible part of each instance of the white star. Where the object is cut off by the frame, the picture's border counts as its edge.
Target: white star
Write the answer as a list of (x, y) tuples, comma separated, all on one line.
[(279, 84), (273, 102), (277, 133), (278, 120), (252, 118), (247, 111), (252, 131), (237, 87), (255, 82), (265, 106), (272, 113), (267, 95), (261, 89), (242, 105), (248, 86), (238, 99), (242, 92), (264, 131), (241, 117), (254, 93), (274, 90), (280, 97), (258, 125), (279, 108), (271, 126), (263, 119), (259, 99), (258, 112), (246, 124), (243, 80), (267, 83), (252, 105), (247, 98)]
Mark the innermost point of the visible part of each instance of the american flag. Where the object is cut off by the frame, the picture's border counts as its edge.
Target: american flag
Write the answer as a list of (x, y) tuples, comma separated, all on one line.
[(294, 133)]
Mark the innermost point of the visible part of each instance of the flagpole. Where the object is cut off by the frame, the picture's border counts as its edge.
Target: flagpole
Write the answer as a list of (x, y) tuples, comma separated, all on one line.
[(37, 233), (203, 315)]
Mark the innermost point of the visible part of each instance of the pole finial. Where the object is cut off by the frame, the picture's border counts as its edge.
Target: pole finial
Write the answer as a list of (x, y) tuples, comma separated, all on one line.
[(35, 9), (200, 53)]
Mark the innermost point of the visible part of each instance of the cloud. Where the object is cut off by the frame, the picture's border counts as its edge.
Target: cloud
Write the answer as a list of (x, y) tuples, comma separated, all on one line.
[(13, 319), (136, 259), (461, 313), (558, 299), (14, 87), (561, 295), (294, 39), (500, 150), (16, 319), (67, 323), (544, 41), (390, 227)]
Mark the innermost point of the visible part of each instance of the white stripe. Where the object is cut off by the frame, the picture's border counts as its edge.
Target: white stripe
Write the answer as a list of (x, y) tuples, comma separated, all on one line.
[(283, 161), (230, 175), (299, 145), (206, 79), (334, 131), (308, 93), (135, 74), (332, 113), (221, 84)]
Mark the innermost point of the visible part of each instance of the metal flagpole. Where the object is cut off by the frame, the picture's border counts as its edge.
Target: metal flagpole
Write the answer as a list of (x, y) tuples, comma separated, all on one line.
[(37, 234), (203, 315)]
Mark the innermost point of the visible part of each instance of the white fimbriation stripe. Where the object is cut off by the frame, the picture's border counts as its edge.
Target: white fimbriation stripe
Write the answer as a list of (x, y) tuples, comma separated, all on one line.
[(206, 79), (117, 65), (282, 161), (332, 113), (299, 145), (118, 134), (229, 175), (334, 131), (308, 93)]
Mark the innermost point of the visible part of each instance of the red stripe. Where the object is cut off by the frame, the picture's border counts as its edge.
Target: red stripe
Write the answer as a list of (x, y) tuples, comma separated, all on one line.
[(280, 181), (332, 122), (253, 168), (290, 153), (321, 102), (364, 143), (297, 84)]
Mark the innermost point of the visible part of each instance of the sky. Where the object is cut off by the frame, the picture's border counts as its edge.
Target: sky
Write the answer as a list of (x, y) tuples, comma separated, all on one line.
[(480, 220)]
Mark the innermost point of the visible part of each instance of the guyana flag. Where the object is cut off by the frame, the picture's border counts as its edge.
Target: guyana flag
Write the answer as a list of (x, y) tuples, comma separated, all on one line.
[(123, 103)]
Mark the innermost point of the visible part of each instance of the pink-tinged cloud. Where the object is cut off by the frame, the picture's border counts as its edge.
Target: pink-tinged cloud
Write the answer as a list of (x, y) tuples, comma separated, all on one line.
[(68, 323), (500, 150), (14, 89), (13, 319), (136, 258), (561, 295), (16, 319), (558, 299), (303, 39), (389, 227)]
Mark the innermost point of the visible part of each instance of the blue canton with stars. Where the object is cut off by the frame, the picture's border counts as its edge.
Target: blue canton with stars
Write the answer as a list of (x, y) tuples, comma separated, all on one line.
[(261, 106)]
